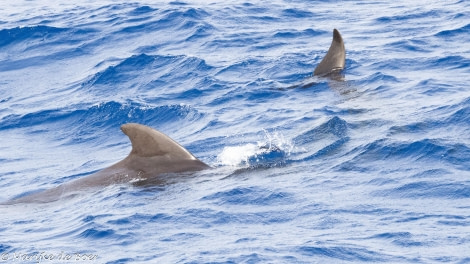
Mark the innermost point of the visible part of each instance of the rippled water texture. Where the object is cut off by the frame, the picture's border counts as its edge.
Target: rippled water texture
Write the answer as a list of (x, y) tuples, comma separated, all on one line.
[(375, 168)]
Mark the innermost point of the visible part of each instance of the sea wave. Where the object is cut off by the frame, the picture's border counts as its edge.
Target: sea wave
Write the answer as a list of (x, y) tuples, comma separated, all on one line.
[(369, 168), (94, 121)]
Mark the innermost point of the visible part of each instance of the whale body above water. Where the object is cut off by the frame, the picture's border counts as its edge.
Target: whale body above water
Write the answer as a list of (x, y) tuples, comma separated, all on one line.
[(335, 58), (153, 154)]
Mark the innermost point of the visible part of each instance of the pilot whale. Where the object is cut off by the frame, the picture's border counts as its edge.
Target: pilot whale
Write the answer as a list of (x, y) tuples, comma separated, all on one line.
[(330, 66), (153, 154), (335, 58)]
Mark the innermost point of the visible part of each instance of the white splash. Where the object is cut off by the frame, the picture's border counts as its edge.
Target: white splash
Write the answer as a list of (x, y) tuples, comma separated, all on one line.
[(255, 153), (236, 155)]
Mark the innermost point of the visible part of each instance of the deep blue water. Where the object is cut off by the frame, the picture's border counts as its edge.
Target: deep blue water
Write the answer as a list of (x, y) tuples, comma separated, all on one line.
[(375, 168)]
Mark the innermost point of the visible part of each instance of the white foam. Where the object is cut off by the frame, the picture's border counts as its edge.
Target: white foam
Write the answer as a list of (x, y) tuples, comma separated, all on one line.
[(242, 154), (236, 155)]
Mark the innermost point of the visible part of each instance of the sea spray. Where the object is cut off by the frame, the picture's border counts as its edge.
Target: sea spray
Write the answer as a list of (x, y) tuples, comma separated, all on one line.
[(271, 151)]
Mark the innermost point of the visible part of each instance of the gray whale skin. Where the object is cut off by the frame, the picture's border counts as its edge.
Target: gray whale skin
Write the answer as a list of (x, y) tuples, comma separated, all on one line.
[(153, 154)]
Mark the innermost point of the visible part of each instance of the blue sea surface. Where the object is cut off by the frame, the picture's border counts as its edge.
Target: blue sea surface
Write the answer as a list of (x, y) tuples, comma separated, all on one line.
[(374, 168)]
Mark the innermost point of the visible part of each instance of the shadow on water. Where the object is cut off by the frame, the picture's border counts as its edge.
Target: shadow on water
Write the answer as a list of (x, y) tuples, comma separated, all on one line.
[(336, 80)]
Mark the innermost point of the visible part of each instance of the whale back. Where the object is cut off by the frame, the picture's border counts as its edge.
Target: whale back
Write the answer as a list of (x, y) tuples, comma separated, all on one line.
[(334, 59)]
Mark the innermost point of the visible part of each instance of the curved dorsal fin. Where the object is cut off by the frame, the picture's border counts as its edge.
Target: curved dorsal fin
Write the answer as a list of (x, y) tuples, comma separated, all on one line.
[(335, 59), (148, 142)]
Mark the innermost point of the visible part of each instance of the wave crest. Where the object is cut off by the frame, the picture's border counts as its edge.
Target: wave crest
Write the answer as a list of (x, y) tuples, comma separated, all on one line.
[(8, 36)]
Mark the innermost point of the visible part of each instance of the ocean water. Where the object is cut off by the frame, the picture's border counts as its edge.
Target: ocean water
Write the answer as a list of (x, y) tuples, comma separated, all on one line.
[(375, 168)]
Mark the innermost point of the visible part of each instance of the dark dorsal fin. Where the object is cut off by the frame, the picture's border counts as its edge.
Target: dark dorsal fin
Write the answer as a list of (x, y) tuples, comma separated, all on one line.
[(148, 142), (335, 59)]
